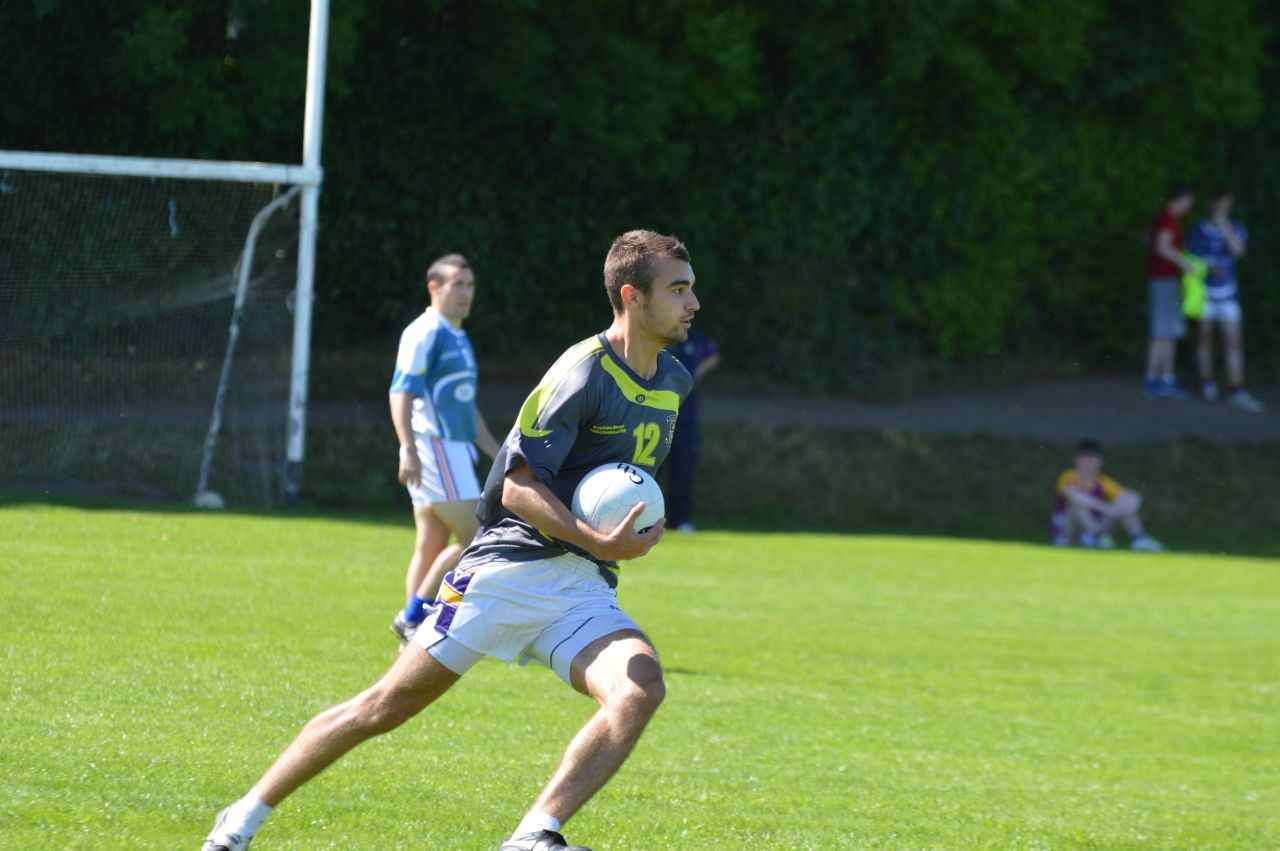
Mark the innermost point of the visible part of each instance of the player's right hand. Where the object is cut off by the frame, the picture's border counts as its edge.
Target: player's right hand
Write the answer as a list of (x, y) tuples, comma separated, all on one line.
[(410, 468), (624, 543)]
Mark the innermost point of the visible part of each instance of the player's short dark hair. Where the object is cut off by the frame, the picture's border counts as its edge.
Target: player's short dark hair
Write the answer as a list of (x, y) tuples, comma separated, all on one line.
[(1088, 446), (630, 261), (1218, 194), (1177, 190), (437, 270)]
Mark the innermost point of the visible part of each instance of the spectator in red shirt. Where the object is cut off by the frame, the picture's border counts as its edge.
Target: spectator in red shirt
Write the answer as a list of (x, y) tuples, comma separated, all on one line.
[(1165, 268)]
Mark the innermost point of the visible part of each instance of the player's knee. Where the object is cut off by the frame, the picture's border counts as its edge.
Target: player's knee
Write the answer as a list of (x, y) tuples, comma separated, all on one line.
[(652, 695), (642, 691), (1129, 502)]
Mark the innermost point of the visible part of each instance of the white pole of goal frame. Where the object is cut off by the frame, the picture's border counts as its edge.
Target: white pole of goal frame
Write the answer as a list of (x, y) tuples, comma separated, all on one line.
[(205, 498), (312, 130)]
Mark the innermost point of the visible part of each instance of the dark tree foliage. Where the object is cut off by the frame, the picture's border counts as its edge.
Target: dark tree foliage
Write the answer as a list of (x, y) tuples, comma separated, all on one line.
[(865, 187)]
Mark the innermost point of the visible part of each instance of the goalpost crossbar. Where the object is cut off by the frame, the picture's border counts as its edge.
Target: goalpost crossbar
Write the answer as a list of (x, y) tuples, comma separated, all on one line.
[(240, 172)]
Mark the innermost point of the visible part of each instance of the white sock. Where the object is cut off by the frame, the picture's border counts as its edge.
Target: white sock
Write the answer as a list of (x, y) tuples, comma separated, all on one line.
[(534, 822), (246, 815)]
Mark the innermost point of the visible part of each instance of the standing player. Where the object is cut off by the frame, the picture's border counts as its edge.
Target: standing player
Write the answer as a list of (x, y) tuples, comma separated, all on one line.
[(1220, 240), (537, 584), (699, 354), (433, 409), (1165, 268)]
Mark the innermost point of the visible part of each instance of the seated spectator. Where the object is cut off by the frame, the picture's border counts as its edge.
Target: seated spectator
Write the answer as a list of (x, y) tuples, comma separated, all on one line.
[(1087, 504)]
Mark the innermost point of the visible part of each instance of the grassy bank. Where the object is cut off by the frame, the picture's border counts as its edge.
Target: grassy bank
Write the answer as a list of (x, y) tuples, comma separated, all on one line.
[(1198, 495)]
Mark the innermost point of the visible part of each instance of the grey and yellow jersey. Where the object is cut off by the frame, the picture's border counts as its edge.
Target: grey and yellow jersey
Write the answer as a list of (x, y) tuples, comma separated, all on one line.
[(589, 409)]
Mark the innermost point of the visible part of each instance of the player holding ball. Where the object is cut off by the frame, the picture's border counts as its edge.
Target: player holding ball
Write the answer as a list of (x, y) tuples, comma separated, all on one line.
[(537, 582)]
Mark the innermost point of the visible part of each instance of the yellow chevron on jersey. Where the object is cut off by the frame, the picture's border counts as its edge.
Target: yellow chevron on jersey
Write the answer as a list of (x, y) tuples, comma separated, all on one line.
[(532, 409), (663, 400)]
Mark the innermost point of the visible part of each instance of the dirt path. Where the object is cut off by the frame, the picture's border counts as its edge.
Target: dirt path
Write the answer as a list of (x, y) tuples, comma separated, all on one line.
[(1109, 410)]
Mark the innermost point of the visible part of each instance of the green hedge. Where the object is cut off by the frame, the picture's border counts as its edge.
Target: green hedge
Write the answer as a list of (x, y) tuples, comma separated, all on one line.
[(868, 189)]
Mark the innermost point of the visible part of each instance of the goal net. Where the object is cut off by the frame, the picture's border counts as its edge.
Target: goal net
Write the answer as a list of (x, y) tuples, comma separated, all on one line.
[(117, 297)]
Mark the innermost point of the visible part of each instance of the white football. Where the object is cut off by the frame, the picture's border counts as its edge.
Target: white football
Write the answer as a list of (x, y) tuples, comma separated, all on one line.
[(607, 494)]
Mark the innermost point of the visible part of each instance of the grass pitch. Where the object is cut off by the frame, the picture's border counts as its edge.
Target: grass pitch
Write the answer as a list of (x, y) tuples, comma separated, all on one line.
[(823, 691)]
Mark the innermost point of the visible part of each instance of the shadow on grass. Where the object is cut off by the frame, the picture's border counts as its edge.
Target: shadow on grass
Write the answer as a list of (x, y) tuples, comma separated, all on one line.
[(83, 502)]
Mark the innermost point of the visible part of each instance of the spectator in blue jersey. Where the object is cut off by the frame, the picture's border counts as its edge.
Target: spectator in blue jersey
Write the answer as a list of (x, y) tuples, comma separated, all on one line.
[(1220, 241), (433, 409), (699, 355)]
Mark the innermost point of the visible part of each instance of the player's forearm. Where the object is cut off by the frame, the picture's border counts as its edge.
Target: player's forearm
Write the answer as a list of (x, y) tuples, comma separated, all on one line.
[(1234, 245), (1166, 249), (533, 502), (402, 417), (706, 366), (1086, 500)]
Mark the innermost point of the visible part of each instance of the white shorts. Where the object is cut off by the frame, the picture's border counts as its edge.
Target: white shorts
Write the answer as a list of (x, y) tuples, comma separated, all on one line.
[(544, 611), (1226, 310), (448, 471)]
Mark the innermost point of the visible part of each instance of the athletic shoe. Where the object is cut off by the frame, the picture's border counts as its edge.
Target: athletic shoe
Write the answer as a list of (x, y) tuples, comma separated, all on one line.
[(1245, 401), (1106, 542), (403, 629), (543, 840), (222, 840), (1209, 391), (1088, 540), (1171, 389), (1151, 388), (685, 527), (1146, 544)]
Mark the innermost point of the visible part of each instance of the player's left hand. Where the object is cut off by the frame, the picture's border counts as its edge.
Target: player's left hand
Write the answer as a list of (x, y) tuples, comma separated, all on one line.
[(624, 543)]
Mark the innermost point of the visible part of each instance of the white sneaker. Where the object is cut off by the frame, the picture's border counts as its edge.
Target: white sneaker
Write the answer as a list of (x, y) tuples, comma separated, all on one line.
[(1245, 401), (222, 840), (543, 840), (1146, 544), (1209, 391), (403, 629)]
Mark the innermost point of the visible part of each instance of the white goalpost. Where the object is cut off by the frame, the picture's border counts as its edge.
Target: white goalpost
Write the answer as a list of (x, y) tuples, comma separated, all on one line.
[(115, 275), (205, 498)]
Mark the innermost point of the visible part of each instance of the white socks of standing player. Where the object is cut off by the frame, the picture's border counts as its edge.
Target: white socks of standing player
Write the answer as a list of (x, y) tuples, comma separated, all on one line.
[(534, 822), (246, 815)]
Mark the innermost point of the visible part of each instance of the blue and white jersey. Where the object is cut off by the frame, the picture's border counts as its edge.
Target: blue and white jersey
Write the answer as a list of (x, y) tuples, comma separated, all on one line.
[(1207, 242), (436, 365)]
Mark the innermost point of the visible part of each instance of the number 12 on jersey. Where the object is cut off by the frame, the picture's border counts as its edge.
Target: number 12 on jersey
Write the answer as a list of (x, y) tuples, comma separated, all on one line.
[(647, 437)]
